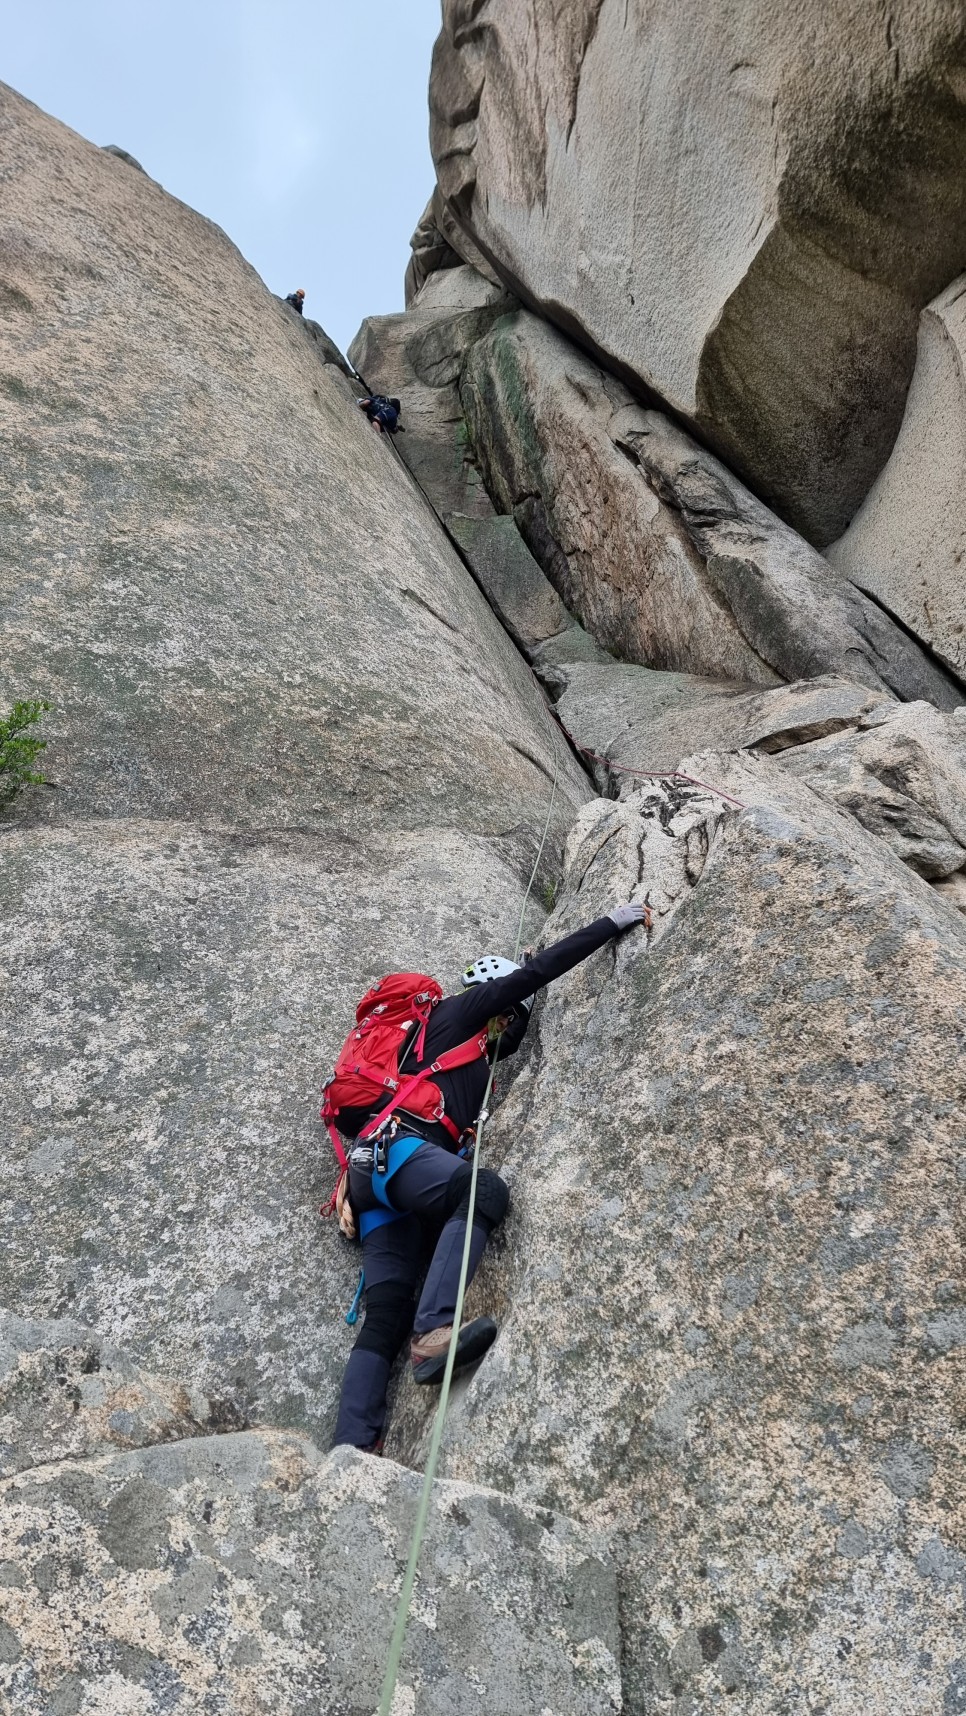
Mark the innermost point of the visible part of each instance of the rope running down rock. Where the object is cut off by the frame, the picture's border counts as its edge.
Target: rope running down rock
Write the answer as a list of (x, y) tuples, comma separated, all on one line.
[(419, 1529), (405, 1596)]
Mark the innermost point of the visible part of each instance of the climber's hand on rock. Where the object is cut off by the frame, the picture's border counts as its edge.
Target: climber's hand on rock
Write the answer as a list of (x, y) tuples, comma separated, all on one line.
[(625, 917)]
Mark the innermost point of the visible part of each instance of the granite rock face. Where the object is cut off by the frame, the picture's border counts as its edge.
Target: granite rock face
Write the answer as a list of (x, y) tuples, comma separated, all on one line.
[(714, 1458), (245, 1572), (249, 625), (67, 1394), (641, 720), (418, 357), (744, 209), (656, 547), (907, 542), (733, 1326), (901, 772), (539, 414), (524, 599)]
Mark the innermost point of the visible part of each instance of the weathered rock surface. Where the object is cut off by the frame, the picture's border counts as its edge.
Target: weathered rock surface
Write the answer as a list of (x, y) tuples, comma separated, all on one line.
[(901, 772), (646, 720), (907, 542), (259, 646), (523, 598), (733, 1322), (292, 747), (745, 209), (661, 553), (899, 769), (418, 357), (245, 1572), (66, 1393)]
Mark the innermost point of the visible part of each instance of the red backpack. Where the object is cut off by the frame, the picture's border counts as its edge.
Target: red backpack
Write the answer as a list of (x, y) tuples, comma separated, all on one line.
[(367, 1068)]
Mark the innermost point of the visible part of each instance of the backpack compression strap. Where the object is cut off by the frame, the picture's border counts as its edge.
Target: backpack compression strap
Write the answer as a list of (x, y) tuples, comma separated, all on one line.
[(458, 1057)]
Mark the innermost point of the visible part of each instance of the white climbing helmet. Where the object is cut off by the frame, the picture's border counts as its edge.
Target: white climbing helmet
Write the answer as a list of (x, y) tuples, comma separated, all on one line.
[(486, 969)]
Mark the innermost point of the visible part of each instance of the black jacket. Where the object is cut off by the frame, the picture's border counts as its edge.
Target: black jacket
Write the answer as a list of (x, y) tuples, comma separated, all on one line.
[(295, 302), (459, 1017)]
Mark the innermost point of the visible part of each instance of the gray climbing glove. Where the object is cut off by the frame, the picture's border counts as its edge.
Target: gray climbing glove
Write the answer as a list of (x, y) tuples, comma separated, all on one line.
[(625, 917)]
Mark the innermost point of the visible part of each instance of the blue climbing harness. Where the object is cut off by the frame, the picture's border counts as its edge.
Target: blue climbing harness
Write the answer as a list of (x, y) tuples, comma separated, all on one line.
[(399, 1151)]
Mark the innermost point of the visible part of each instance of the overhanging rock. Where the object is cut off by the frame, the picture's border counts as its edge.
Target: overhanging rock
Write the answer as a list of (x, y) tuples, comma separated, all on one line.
[(742, 208)]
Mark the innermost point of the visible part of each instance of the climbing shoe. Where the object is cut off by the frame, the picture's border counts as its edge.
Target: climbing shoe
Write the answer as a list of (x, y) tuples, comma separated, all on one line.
[(429, 1351)]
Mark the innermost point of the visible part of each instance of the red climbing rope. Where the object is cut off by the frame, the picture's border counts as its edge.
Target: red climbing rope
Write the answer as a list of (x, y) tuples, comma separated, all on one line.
[(625, 768)]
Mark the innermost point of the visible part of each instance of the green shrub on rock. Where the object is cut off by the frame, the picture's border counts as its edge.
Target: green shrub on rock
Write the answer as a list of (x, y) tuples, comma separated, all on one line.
[(17, 752)]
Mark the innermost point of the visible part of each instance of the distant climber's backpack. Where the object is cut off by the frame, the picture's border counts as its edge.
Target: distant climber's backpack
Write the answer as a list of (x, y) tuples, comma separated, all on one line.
[(385, 411), (391, 1019)]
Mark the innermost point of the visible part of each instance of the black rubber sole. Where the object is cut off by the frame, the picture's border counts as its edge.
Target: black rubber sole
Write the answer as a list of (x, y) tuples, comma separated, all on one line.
[(474, 1340)]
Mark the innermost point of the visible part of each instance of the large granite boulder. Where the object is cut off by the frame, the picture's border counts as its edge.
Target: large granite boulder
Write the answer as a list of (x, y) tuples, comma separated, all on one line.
[(245, 1572), (907, 542), (291, 748), (658, 549), (731, 1292), (743, 208)]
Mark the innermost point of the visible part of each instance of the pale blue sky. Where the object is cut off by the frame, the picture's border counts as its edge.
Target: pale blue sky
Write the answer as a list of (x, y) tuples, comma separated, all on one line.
[(300, 130)]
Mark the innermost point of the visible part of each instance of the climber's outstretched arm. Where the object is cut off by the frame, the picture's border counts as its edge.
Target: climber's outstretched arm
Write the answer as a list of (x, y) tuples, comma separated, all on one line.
[(487, 1000)]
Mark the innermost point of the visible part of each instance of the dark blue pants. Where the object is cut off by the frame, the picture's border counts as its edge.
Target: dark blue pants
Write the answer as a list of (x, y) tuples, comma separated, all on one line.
[(426, 1191)]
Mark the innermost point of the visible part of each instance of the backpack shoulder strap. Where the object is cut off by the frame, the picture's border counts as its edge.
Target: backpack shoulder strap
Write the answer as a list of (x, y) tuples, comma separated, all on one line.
[(450, 1058), (472, 1050)]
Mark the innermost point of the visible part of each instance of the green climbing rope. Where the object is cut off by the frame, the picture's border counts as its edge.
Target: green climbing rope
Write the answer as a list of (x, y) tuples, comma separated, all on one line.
[(405, 1595), (419, 1530)]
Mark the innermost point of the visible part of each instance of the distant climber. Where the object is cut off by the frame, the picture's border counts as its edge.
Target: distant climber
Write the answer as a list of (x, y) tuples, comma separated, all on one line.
[(296, 299), (382, 413), (410, 1184)]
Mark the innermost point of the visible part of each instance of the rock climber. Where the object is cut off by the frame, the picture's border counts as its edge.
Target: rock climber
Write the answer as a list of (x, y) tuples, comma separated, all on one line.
[(296, 299), (382, 413), (426, 1185)]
